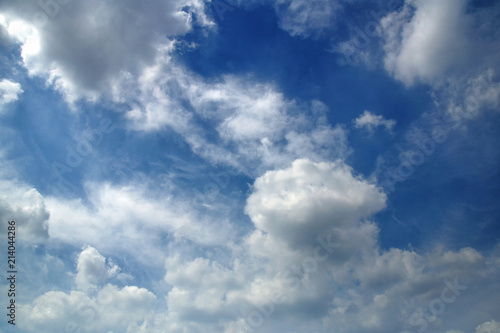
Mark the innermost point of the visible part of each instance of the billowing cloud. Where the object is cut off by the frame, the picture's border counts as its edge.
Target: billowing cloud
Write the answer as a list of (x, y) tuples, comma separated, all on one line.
[(26, 207), (308, 199), (256, 127), (92, 269), (336, 266), (308, 257), (9, 92), (312, 261), (80, 60), (106, 308), (111, 309), (425, 39)]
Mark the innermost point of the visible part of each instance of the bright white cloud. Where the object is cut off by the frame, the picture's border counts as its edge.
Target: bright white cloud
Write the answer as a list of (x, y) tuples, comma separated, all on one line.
[(92, 269), (257, 128), (26, 206), (9, 91), (312, 260), (80, 60), (281, 268), (112, 309), (425, 39), (101, 308), (308, 199), (376, 291), (370, 122)]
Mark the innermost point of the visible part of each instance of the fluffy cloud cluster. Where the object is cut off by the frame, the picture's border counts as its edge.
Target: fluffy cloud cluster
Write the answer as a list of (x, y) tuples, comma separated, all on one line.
[(93, 269), (443, 44), (425, 39), (296, 205), (9, 92), (106, 307), (312, 259), (335, 273), (312, 262)]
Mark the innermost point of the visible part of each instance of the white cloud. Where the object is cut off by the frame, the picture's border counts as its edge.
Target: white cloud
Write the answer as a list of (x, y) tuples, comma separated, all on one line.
[(101, 308), (132, 215), (79, 59), (357, 288), (92, 269), (309, 199), (425, 39), (489, 327), (26, 206), (371, 121), (111, 309), (9, 92), (349, 283)]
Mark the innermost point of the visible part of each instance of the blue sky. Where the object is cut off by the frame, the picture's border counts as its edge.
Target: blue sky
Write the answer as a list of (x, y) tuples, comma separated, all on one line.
[(252, 166)]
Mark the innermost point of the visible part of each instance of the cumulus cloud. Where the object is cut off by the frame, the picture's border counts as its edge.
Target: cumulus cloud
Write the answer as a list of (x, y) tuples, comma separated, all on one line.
[(306, 200), (79, 59), (312, 259), (100, 308), (312, 262), (425, 39), (370, 122), (334, 273), (92, 269), (26, 206), (9, 92), (111, 309)]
